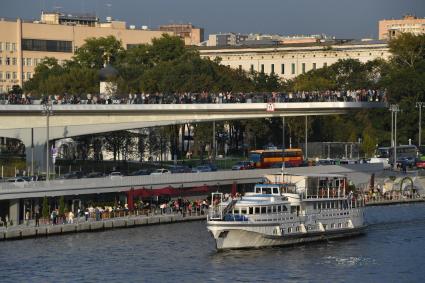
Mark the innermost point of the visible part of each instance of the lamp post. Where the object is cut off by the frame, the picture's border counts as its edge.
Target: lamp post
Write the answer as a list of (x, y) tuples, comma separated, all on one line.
[(419, 105), (47, 110), (394, 108)]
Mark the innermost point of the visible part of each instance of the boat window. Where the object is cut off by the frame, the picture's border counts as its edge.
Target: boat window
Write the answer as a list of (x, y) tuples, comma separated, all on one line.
[(251, 210), (279, 208), (315, 205), (267, 191), (269, 209), (284, 208), (275, 190), (257, 210), (258, 190), (263, 210), (243, 210)]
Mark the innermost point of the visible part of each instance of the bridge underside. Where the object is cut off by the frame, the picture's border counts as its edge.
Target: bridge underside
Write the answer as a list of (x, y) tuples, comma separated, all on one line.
[(17, 121)]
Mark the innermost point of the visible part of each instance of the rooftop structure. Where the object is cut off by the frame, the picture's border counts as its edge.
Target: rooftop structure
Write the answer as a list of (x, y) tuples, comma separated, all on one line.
[(190, 34), (389, 29)]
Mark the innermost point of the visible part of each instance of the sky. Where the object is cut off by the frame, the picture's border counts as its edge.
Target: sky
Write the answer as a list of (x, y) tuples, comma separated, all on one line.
[(340, 18)]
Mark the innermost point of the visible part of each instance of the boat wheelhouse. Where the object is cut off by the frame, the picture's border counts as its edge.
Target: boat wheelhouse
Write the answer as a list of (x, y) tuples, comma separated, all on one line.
[(286, 209)]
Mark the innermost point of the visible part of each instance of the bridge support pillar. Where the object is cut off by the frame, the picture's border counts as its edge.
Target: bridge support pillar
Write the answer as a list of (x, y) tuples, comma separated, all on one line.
[(35, 146), (14, 211)]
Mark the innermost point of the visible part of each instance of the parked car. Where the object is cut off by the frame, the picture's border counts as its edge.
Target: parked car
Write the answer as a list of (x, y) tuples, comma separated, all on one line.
[(17, 181), (94, 175), (407, 161), (180, 169), (325, 162), (72, 175), (420, 164), (115, 174), (161, 171), (279, 165), (242, 165), (201, 168), (141, 172)]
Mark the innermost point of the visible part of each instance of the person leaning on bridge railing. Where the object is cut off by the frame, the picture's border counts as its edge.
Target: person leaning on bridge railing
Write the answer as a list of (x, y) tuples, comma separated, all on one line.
[(361, 95)]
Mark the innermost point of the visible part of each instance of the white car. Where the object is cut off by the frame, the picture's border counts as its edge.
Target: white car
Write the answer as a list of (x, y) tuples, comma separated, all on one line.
[(161, 171), (115, 175)]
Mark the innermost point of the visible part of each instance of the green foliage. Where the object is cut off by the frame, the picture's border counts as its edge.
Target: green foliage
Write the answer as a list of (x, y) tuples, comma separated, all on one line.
[(45, 212), (62, 206), (96, 51)]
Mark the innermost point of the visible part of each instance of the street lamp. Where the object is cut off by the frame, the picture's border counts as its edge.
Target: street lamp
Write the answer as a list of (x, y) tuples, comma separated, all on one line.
[(394, 108), (419, 105), (47, 110)]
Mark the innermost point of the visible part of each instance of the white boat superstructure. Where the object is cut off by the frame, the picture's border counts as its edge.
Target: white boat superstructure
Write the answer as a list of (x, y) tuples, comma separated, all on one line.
[(287, 209)]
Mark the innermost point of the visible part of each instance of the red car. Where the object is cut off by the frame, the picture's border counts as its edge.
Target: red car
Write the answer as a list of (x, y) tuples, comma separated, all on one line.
[(420, 164)]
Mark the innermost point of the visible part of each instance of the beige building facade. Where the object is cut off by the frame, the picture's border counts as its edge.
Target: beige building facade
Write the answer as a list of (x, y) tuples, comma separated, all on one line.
[(389, 29), (290, 61), (24, 44), (190, 34)]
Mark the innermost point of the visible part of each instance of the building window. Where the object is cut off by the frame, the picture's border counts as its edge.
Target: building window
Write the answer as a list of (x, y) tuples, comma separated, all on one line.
[(28, 76), (303, 68), (7, 46), (252, 68), (29, 61), (262, 68), (14, 61), (1, 75), (1, 46), (293, 68), (14, 75), (8, 61), (282, 69), (314, 66), (1, 60), (272, 66), (23, 62), (47, 45), (13, 46), (325, 65), (7, 75)]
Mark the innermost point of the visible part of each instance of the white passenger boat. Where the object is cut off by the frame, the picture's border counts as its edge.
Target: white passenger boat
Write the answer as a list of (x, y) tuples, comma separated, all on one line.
[(286, 209)]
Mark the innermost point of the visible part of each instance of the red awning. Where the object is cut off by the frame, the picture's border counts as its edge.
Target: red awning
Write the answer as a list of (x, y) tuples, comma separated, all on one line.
[(167, 191)]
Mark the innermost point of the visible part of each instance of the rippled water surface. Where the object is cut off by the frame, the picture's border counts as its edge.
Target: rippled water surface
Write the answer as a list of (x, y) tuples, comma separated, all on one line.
[(393, 250)]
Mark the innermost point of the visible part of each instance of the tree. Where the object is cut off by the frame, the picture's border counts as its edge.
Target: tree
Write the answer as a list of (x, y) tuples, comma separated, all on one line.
[(61, 206), (408, 50), (96, 51), (45, 212)]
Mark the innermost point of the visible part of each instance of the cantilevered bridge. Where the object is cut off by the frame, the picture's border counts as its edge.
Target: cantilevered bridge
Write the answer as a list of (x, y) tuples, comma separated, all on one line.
[(27, 123)]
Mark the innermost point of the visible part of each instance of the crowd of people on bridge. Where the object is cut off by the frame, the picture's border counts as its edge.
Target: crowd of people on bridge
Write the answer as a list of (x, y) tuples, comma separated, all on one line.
[(361, 95)]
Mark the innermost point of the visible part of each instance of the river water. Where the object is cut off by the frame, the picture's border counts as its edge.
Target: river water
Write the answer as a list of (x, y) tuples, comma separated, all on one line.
[(393, 250)]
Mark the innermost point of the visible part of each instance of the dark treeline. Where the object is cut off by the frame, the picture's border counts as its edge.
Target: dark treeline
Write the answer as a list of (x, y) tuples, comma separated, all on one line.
[(167, 66)]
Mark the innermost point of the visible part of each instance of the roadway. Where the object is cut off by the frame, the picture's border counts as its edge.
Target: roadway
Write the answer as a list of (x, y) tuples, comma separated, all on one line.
[(357, 173)]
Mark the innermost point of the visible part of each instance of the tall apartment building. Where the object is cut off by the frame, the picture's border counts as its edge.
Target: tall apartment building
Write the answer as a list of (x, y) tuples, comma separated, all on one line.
[(389, 29), (190, 34), (24, 44), (289, 61)]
